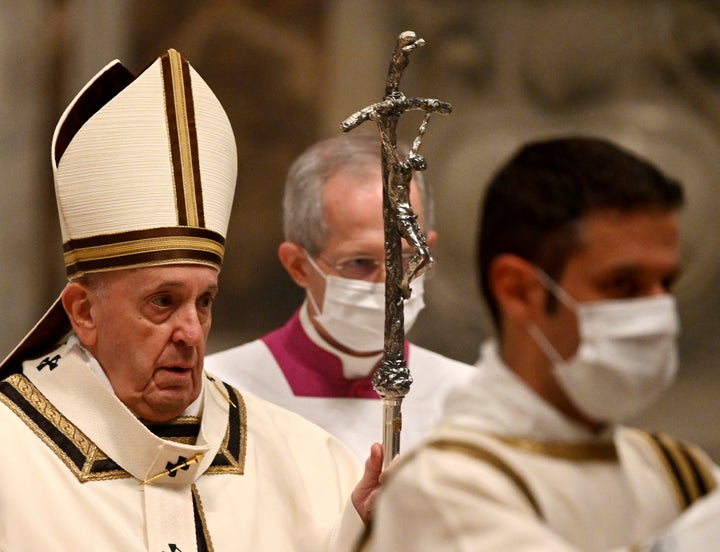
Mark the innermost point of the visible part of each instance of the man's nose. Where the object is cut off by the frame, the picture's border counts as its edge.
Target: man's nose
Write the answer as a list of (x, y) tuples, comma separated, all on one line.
[(657, 288), (380, 274), (188, 330)]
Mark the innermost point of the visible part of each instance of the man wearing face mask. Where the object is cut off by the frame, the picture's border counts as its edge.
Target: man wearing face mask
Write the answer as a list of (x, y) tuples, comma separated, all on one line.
[(320, 363), (578, 250)]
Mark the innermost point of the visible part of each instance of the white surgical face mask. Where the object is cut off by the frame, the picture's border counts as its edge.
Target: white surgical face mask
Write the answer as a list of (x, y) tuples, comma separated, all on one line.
[(627, 355), (353, 311)]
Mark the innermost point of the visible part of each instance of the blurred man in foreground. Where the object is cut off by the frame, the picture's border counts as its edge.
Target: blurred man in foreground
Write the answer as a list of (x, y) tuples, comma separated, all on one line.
[(578, 251)]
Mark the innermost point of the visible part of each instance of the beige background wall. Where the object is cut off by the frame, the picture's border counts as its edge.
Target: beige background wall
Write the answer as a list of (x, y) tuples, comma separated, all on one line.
[(646, 73)]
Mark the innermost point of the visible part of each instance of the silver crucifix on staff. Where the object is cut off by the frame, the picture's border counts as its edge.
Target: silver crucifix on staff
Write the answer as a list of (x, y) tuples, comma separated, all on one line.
[(392, 379)]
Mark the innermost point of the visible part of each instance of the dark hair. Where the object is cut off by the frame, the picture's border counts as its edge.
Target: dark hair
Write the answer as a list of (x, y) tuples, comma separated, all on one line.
[(534, 203)]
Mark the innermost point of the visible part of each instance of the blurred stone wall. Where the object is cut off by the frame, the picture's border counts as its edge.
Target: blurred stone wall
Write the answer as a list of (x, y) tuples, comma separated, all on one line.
[(264, 61), (288, 71), (48, 50)]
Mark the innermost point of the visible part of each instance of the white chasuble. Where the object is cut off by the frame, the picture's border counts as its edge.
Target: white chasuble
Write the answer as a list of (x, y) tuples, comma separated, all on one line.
[(79, 472), (165, 470)]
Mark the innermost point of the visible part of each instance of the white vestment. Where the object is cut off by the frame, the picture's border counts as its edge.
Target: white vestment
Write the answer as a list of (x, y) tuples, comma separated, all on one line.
[(81, 473), (344, 402), (504, 471)]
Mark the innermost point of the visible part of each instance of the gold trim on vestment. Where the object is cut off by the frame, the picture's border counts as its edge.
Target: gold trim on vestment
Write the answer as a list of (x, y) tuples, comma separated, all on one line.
[(683, 466), (690, 478), (92, 454), (94, 464), (604, 452), (181, 421), (235, 465), (567, 451), (485, 455), (201, 515), (703, 468)]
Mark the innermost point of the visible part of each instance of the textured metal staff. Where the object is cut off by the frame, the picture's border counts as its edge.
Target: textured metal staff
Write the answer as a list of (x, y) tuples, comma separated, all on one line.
[(392, 379)]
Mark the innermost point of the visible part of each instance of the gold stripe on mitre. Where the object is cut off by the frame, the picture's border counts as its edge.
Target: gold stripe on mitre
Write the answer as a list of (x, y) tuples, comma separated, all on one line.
[(133, 249), (182, 133)]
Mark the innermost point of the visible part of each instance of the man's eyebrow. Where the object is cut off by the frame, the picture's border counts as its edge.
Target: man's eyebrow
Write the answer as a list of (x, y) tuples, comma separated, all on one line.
[(175, 284), (167, 284), (632, 268)]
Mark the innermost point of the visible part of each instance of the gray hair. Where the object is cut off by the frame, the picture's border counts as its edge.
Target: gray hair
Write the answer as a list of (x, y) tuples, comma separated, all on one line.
[(95, 281), (357, 152)]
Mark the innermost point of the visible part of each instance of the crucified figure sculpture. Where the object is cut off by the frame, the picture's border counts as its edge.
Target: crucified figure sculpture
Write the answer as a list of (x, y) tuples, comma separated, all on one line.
[(392, 379)]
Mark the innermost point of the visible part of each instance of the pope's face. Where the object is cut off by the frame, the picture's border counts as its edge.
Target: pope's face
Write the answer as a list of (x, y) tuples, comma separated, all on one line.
[(150, 331)]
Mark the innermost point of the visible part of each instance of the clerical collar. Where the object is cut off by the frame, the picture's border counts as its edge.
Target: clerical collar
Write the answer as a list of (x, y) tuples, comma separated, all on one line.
[(194, 408), (353, 366)]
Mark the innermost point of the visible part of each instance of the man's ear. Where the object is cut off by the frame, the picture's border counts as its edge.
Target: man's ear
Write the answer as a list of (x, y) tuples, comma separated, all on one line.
[(77, 300), (292, 257), (517, 290)]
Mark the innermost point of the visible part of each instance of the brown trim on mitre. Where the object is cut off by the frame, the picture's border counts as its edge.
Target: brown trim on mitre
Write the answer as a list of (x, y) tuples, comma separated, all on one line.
[(182, 136), (155, 246), (104, 88)]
